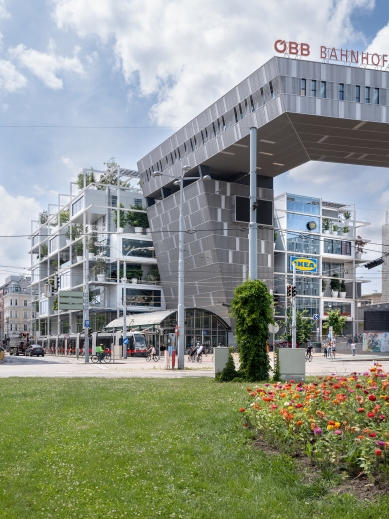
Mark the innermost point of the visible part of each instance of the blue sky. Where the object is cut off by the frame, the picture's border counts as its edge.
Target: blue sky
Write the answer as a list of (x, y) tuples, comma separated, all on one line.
[(150, 66)]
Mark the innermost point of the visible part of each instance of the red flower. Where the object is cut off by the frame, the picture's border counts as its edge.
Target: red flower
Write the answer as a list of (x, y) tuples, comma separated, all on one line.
[(382, 417), (361, 410), (373, 398), (372, 434), (371, 414), (378, 452), (242, 410)]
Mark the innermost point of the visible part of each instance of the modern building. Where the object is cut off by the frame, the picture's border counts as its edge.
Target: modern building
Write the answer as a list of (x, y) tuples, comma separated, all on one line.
[(87, 221), (299, 111), (15, 308), (324, 233), (385, 265)]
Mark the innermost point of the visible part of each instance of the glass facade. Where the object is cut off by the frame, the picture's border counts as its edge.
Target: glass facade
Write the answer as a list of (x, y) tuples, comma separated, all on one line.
[(128, 245), (337, 247), (329, 269), (140, 297), (308, 303), (303, 244), (200, 326), (345, 308), (306, 286), (300, 222), (302, 204)]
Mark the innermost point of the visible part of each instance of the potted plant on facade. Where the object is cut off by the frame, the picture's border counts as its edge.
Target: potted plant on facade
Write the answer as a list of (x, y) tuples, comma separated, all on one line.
[(335, 229), (335, 285), (92, 247), (79, 250), (323, 286), (359, 247), (134, 273), (326, 225), (73, 232), (342, 291), (345, 230), (44, 251), (100, 269), (347, 217), (152, 275), (138, 220)]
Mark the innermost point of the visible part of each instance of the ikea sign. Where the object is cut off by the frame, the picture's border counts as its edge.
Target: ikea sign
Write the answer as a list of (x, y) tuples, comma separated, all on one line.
[(304, 264)]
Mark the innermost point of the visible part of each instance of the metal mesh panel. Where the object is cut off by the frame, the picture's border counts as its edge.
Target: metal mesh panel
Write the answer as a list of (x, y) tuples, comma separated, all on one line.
[(231, 98)]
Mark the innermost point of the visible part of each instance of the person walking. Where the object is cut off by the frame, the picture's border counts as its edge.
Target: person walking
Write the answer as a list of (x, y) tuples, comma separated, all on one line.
[(353, 346), (333, 348), (325, 350)]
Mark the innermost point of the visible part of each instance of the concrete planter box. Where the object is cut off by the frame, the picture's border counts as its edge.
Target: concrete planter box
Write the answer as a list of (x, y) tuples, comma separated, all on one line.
[(220, 359), (292, 363)]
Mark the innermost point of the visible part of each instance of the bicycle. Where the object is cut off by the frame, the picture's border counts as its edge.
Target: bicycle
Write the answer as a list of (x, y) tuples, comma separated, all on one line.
[(308, 356), (154, 357), (199, 358), (105, 357)]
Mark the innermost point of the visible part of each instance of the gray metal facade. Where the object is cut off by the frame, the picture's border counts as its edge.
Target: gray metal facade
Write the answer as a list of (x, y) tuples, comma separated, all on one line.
[(294, 124)]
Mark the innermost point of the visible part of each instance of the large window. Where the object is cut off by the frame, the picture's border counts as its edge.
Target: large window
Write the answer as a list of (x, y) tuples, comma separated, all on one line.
[(367, 94), (308, 303), (306, 285), (323, 89), (302, 204), (313, 88), (129, 245), (77, 205), (139, 297), (376, 96), (337, 247), (54, 244), (300, 222), (44, 307), (357, 93), (303, 87), (345, 308), (329, 269), (303, 244), (341, 91)]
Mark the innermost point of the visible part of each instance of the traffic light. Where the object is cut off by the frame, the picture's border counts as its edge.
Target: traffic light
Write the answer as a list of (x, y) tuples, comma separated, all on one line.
[(374, 263), (294, 291), (48, 290), (289, 291)]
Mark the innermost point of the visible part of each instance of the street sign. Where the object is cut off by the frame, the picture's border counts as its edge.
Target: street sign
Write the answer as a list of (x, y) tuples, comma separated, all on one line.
[(87, 323), (70, 300), (316, 317), (125, 341)]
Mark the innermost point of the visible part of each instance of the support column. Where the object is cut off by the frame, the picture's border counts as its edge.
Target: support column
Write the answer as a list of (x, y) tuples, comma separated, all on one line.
[(253, 229)]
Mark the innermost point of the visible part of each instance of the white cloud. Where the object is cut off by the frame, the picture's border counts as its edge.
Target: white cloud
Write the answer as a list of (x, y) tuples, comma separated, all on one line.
[(10, 79), (3, 11), (17, 211), (189, 53), (46, 65)]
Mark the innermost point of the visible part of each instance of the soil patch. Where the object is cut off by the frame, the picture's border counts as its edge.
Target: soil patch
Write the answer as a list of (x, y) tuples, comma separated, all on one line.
[(359, 487)]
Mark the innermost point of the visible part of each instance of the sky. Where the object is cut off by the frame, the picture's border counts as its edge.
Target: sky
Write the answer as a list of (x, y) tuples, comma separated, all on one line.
[(82, 81)]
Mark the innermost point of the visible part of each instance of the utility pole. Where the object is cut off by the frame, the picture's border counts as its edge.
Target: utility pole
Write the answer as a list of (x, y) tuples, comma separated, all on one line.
[(253, 228), (86, 305), (181, 282), (124, 280), (294, 308)]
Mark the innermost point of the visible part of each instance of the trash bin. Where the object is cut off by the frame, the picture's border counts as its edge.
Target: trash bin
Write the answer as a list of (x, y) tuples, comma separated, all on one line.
[(317, 346)]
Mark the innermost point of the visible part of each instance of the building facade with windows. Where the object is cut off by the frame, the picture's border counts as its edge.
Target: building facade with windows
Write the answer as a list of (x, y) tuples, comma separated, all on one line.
[(322, 235), (88, 221), (301, 111), (16, 309)]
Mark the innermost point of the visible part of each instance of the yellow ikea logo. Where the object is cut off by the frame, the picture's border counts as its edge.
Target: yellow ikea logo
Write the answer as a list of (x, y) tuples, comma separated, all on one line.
[(306, 264)]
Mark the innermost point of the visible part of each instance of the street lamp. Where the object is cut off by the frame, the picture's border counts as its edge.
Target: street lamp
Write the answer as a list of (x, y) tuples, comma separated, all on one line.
[(179, 181), (124, 298)]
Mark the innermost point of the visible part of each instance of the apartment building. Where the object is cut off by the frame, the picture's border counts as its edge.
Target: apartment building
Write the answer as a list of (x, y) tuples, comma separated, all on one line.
[(15, 308), (98, 220), (327, 234)]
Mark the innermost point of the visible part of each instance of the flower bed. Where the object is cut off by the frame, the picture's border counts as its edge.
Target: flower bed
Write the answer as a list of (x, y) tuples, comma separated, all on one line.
[(335, 420)]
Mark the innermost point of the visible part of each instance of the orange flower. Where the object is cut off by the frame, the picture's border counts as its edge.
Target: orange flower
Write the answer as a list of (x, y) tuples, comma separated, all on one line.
[(300, 422), (320, 413)]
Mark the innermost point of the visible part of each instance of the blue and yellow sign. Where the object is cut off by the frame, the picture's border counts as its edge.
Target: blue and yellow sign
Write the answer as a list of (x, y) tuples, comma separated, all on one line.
[(304, 264)]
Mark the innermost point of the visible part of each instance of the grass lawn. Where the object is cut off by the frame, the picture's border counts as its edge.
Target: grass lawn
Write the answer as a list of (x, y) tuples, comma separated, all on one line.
[(98, 448)]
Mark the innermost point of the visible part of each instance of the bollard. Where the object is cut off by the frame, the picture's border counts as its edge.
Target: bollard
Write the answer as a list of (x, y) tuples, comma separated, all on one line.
[(173, 358)]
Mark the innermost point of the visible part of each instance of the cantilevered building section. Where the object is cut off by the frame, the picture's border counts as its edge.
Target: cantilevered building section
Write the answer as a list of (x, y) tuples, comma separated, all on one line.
[(303, 111)]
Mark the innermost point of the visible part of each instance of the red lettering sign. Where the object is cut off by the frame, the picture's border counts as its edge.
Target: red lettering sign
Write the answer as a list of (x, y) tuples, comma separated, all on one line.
[(292, 47)]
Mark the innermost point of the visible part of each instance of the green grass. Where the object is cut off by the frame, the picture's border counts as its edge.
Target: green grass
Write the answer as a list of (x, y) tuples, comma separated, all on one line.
[(100, 448)]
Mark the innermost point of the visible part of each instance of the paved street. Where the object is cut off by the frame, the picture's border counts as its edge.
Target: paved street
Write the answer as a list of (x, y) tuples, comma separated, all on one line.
[(51, 366)]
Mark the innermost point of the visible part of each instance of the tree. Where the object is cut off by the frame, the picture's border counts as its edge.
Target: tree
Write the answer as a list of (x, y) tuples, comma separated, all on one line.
[(252, 307), (110, 177), (123, 217), (89, 179), (336, 320), (303, 327)]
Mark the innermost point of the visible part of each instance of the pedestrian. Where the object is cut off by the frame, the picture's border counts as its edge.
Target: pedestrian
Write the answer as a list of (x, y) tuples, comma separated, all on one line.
[(333, 348), (329, 350), (353, 346), (325, 350)]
